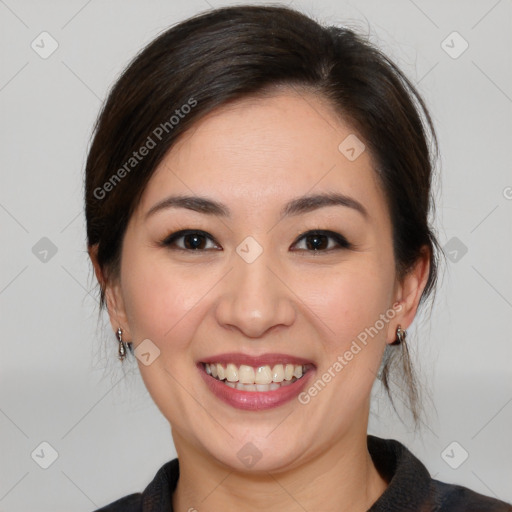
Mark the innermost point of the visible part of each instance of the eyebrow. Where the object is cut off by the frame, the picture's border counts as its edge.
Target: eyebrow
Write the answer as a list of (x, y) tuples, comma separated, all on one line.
[(297, 206)]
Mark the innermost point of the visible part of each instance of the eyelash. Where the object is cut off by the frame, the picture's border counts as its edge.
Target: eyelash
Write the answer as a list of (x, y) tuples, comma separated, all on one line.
[(339, 239)]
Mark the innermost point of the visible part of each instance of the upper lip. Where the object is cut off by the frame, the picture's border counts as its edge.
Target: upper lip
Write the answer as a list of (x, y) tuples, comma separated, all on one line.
[(238, 359)]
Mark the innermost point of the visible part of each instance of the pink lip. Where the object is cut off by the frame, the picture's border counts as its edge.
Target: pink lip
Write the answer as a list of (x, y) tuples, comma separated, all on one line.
[(255, 400), (255, 361)]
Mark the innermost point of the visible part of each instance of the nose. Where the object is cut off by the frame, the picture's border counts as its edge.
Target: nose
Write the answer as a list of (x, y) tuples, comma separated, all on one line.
[(255, 297)]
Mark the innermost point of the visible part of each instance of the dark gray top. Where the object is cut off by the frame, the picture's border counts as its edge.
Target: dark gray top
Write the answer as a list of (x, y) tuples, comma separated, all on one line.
[(410, 489)]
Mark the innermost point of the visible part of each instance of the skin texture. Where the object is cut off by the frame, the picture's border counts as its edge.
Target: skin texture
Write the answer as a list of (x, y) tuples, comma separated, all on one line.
[(253, 156)]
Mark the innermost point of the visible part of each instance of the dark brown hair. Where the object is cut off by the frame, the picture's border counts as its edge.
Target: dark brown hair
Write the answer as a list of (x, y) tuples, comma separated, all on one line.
[(235, 52)]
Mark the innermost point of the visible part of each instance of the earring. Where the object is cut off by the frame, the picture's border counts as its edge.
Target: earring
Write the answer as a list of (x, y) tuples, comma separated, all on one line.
[(122, 345), (401, 334)]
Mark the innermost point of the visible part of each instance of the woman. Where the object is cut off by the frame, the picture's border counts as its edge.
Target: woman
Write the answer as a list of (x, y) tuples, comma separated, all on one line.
[(257, 200)]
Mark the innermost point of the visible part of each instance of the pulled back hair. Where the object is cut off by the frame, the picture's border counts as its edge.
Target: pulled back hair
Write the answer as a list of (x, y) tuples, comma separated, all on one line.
[(231, 53)]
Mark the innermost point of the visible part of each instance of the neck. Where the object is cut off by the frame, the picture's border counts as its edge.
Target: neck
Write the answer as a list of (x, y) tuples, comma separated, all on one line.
[(340, 479)]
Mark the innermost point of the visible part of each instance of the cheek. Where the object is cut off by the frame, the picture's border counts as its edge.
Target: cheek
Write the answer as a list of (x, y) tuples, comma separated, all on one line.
[(351, 306), (158, 300), (163, 305), (349, 301)]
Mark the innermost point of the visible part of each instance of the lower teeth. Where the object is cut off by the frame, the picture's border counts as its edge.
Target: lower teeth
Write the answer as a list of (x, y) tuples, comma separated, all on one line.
[(258, 387)]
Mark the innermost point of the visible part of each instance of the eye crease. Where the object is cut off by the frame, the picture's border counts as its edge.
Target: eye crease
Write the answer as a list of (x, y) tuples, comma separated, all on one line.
[(196, 234), (320, 235), (316, 241)]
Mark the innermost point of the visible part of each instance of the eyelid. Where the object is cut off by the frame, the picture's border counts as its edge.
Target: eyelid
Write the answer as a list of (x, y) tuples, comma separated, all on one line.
[(170, 240), (341, 241)]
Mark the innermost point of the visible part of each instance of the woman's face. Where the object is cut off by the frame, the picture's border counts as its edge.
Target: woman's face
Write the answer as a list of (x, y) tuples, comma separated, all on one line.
[(249, 289)]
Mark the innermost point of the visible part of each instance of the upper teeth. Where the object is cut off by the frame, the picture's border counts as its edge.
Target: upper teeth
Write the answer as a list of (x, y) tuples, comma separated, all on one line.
[(249, 375)]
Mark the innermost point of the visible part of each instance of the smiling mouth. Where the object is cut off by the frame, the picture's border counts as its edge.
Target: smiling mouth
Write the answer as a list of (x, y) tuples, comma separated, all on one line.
[(261, 378)]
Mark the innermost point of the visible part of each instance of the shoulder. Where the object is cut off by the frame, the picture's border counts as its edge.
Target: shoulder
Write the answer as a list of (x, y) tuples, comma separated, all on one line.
[(410, 486), (130, 503), (455, 498), (156, 496)]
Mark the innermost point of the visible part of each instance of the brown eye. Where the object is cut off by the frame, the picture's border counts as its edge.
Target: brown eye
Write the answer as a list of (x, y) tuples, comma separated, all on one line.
[(323, 241), (189, 240)]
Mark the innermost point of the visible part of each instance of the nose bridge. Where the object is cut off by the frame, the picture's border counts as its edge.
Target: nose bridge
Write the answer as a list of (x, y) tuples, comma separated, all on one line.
[(255, 299)]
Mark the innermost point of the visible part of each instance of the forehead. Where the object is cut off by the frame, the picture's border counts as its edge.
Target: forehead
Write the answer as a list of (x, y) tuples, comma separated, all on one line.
[(264, 150)]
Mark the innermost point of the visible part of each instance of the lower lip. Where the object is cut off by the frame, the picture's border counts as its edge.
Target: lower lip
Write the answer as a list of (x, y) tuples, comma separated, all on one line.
[(254, 400)]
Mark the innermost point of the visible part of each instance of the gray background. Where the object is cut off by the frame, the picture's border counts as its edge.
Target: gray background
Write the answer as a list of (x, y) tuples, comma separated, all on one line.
[(60, 381)]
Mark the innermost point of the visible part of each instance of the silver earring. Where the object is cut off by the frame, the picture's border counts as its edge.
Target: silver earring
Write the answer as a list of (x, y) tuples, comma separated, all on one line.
[(122, 345), (401, 334)]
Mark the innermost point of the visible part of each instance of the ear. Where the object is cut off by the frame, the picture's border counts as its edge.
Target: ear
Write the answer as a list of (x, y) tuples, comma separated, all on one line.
[(113, 296), (408, 292)]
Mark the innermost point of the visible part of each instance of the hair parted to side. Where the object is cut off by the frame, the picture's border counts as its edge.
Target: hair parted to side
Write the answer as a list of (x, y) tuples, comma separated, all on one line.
[(234, 52)]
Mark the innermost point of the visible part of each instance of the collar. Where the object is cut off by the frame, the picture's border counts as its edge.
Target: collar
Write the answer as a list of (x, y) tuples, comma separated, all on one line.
[(408, 479)]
